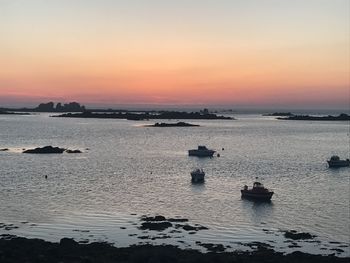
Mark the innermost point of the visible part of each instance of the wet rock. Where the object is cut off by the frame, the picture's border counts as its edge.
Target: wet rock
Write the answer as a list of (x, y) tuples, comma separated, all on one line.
[(212, 247), (68, 243), (4, 149), (34, 250), (158, 226), (293, 234), (45, 150), (194, 228), (258, 245), (7, 236)]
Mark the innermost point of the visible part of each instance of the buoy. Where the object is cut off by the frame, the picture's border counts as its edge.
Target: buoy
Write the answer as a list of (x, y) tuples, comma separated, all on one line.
[(223, 149), (45, 176), (218, 155)]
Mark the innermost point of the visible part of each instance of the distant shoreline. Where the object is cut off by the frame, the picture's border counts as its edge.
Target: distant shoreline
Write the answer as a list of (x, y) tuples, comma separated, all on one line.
[(19, 249), (278, 114), (341, 117), (13, 113), (168, 115)]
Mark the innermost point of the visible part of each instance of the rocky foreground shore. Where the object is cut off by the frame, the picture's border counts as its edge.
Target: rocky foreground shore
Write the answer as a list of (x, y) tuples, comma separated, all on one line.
[(17, 249)]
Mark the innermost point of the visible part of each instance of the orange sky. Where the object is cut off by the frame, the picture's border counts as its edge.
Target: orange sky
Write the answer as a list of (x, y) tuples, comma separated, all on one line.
[(212, 53)]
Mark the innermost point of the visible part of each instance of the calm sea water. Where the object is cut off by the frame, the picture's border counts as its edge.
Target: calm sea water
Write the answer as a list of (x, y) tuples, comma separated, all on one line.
[(126, 171)]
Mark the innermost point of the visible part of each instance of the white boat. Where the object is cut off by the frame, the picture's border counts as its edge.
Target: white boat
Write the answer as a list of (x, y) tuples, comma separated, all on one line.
[(336, 162), (197, 175), (257, 192), (202, 151)]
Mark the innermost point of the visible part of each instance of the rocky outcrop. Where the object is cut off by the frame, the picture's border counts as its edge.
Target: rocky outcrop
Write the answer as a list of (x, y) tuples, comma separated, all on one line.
[(49, 149), (341, 117), (293, 234), (45, 150), (16, 249), (178, 124)]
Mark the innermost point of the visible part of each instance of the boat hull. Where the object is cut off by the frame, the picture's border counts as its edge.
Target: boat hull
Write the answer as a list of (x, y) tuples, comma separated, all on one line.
[(196, 178), (208, 153), (248, 194), (336, 164)]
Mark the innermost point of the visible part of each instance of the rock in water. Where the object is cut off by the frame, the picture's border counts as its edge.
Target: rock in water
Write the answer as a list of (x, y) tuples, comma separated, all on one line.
[(73, 151), (46, 149)]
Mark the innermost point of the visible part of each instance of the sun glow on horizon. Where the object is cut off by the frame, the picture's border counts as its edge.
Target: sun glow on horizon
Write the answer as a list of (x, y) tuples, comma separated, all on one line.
[(239, 52)]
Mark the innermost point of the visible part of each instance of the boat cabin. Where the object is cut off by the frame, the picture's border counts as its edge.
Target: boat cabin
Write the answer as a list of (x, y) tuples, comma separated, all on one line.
[(203, 148), (335, 158), (258, 185)]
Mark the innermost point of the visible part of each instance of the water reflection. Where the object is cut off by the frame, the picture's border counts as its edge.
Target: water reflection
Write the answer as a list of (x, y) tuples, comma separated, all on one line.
[(257, 210), (197, 187)]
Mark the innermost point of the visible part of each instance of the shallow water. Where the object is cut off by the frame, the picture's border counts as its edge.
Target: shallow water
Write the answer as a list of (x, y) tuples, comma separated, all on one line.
[(129, 170)]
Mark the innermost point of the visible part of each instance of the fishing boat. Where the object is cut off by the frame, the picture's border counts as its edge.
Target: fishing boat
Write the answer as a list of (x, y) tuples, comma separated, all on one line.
[(335, 161), (257, 192), (197, 175), (201, 151)]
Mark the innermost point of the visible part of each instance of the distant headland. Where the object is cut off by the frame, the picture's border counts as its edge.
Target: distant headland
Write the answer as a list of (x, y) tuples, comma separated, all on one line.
[(75, 110), (169, 115), (341, 117)]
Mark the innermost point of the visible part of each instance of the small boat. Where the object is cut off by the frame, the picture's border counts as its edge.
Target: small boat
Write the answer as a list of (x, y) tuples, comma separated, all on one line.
[(197, 175), (336, 162), (258, 192), (202, 151)]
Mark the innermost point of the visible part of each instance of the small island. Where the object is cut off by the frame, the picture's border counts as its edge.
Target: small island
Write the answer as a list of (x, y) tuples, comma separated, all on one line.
[(178, 124), (2, 112), (50, 150), (341, 117), (279, 114), (167, 115)]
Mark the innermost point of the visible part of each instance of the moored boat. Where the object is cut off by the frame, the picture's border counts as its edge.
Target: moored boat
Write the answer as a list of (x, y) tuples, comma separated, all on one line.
[(201, 151), (197, 175), (257, 192), (335, 161)]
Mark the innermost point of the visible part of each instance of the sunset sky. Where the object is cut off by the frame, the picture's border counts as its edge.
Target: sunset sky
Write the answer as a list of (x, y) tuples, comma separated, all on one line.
[(258, 53)]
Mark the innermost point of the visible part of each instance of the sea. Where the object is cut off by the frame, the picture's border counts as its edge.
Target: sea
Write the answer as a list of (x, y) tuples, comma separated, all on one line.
[(127, 171)]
